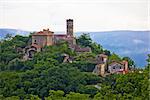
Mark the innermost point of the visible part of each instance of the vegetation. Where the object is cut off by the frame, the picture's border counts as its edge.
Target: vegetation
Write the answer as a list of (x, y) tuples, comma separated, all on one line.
[(47, 77), (85, 41)]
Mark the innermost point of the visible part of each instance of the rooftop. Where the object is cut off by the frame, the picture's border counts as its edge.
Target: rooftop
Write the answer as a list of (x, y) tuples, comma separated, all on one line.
[(44, 32)]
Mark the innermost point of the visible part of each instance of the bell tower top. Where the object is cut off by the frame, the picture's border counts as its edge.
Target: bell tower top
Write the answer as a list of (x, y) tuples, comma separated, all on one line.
[(69, 23)]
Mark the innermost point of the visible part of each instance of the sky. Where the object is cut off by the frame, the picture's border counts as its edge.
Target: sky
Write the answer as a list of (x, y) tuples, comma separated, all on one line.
[(88, 15)]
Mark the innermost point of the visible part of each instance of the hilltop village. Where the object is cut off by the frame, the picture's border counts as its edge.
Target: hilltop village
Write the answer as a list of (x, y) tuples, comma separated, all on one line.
[(50, 66), (49, 38)]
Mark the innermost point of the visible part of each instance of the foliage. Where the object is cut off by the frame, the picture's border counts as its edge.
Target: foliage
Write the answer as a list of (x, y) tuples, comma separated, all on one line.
[(85, 41), (114, 57), (77, 96), (83, 66), (130, 61), (8, 50), (132, 86), (8, 36), (47, 77), (59, 95)]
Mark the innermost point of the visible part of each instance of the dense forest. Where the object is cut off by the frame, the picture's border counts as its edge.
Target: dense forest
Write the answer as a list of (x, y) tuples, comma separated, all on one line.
[(46, 77)]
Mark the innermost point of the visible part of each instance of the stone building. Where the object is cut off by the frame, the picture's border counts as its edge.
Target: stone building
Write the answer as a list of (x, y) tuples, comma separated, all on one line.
[(43, 38), (48, 38), (118, 67), (103, 68)]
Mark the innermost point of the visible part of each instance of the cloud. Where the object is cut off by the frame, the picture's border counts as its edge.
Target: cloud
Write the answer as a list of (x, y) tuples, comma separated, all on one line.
[(138, 41), (126, 52), (90, 15)]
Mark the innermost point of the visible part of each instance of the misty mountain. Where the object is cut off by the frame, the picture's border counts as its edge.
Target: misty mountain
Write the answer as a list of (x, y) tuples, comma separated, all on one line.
[(4, 31)]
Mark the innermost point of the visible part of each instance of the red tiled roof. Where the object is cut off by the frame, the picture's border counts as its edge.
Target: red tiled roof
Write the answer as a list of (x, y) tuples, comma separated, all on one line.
[(44, 32)]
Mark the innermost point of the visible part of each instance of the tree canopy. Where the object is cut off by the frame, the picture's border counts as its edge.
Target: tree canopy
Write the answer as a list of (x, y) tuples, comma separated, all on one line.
[(47, 77)]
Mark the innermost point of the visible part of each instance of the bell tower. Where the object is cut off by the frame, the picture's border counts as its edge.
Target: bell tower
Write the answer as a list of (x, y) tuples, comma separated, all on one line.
[(69, 27)]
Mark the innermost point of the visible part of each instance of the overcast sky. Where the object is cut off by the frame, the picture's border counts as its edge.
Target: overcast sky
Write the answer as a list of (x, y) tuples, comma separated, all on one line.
[(88, 15)]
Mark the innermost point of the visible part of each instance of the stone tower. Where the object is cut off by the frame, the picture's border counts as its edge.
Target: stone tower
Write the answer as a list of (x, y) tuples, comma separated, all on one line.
[(69, 27)]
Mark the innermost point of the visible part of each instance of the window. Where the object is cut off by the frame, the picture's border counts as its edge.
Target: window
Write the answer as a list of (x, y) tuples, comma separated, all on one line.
[(102, 59), (35, 42), (113, 67)]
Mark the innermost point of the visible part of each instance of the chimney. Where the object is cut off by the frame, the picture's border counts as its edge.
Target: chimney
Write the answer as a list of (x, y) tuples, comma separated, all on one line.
[(126, 65)]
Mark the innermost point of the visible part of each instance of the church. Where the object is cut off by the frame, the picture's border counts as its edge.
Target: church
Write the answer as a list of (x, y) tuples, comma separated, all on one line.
[(47, 37)]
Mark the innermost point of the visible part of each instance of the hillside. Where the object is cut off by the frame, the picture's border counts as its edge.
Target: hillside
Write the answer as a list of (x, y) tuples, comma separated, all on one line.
[(124, 43), (47, 77)]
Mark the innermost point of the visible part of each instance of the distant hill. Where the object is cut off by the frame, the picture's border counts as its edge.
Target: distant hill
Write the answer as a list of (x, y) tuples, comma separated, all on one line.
[(4, 31)]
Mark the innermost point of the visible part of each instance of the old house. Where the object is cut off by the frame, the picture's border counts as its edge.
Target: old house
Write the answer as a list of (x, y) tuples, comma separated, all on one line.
[(43, 38), (118, 67), (103, 68)]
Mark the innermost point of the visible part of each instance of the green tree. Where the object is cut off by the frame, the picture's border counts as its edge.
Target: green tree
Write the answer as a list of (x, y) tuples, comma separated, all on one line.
[(107, 52), (84, 40), (34, 97), (130, 62), (8, 36), (55, 95), (114, 57), (77, 96), (8, 49)]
